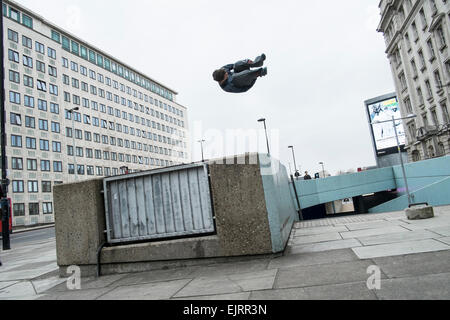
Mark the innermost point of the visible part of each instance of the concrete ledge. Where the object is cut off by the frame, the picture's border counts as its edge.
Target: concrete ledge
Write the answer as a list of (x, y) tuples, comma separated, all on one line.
[(121, 268), (419, 212)]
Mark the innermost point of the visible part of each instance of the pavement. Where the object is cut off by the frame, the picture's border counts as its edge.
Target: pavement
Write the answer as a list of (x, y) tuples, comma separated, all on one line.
[(328, 259)]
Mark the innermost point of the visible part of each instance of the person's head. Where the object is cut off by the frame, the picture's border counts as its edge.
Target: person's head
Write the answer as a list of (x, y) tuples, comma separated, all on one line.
[(219, 75), (306, 173)]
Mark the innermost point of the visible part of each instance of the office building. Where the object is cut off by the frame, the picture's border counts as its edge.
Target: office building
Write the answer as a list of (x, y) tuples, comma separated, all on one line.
[(125, 121)]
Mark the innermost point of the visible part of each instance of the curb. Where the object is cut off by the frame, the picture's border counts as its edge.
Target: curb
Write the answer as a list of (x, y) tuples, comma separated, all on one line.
[(33, 229)]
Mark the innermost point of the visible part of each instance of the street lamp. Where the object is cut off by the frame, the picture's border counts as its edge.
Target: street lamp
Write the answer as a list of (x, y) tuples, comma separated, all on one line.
[(411, 116), (323, 168), (71, 111), (201, 143), (4, 183), (297, 174), (267, 138)]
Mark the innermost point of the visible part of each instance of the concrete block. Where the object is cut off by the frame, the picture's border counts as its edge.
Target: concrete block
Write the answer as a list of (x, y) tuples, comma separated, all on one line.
[(313, 258), (324, 246), (419, 212)]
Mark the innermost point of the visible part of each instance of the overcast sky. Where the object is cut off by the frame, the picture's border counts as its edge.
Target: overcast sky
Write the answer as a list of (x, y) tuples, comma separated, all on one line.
[(325, 58)]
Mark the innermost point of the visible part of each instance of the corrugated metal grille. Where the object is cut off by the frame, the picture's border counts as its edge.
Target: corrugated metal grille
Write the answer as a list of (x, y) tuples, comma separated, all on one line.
[(159, 204)]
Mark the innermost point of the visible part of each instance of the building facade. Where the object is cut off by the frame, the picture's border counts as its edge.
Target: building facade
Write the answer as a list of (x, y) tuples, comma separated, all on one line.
[(73, 113), (417, 35)]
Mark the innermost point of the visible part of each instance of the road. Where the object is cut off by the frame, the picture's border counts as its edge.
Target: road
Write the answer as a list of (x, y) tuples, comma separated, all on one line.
[(24, 238)]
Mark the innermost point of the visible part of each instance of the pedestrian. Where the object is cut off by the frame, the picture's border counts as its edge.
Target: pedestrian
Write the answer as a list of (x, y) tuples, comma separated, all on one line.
[(307, 176), (238, 77)]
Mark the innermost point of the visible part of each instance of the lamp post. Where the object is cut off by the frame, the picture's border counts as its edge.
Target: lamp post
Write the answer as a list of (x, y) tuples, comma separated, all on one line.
[(201, 144), (267, 138), (410, 202), (323, 168), (5, 182), (71, 111), (297, 174)]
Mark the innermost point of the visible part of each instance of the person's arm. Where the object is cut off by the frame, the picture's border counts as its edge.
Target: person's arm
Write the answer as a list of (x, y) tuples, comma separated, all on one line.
[(228, 67)]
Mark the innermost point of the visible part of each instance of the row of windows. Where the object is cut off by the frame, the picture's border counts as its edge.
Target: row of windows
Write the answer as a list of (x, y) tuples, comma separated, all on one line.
[(28, 43), (32, 165), (33, 209), (16, 15), (44, 145), (18, 186)]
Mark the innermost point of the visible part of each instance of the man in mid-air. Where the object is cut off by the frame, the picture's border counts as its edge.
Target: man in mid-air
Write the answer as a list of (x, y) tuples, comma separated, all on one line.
[(238, 77)]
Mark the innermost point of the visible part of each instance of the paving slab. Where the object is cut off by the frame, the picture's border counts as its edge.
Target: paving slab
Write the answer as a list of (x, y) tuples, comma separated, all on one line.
[(335, 273), (90, 283), (232, 268), (256, 280), (150, 291), (44, 285), (220, 297), (445, 240), (397, 237), (315, 238), (372, 232), (324, 246), (346, 291), (415, 264), (156, 276), (279, 294), (429, 287), (209, 286), (401, 248), (443, 231), (374, 224), (5, 284), (90, 294), (313, 258), (318, 230), (20, 291)]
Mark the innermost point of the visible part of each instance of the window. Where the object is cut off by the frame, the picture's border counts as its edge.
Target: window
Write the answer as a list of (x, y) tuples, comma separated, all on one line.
[(28, 81), (16, 141), (52, 71), (16, 119), (14, 76), (80, 169), (47, 208), (33, 209), (89, 153), (43, 125), (429, 90), (17, 163), (56, 146), (27, 21), (99, 171), (54, 108), (17, 186), (75, 47), (51, 53), (57, 166), (42, 105), (445, 114), (431, 50), (31, 143), (14, 97), (56, 127), (13, 56), (40, 47), (45, 166), (28, 101), (90, 170), (13, 36), (41, 85), (44, 145), (75, 83), (27, 42), (83, 70), (31, 164), (74, 66), (79, 152), (70, 150), (53, 89), (30, 122), (422, 60), (46, 186), (65, 43), (27, 61), (19, 209), (65, 62), (414, 68)]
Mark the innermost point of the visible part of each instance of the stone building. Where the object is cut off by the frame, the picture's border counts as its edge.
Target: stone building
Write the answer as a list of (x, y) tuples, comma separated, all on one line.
[(417, 35)]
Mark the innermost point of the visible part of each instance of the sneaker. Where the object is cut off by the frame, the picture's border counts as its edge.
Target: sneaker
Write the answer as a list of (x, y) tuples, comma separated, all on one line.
[(263, 72)]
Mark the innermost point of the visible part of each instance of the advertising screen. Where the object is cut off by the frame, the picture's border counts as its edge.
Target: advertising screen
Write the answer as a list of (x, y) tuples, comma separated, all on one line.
[(383, 133)]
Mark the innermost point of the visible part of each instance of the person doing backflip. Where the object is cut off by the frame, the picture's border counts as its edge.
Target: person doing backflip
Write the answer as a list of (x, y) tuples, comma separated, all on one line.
[(238, 77)]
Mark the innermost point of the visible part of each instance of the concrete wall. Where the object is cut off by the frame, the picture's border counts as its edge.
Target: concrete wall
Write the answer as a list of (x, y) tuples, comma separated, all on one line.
[(320, 191), (254, 216)]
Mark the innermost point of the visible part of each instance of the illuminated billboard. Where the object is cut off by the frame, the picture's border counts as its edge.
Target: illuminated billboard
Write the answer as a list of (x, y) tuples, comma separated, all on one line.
[(384, 133)]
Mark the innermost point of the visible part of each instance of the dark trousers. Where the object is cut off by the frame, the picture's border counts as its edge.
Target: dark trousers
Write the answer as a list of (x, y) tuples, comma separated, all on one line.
[(243, 76)]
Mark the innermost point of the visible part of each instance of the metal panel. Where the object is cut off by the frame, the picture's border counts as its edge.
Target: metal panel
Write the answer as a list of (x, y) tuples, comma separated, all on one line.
[(159, 204)]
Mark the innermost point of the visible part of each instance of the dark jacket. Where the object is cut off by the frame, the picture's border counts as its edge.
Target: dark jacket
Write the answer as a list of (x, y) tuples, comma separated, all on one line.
[(228, 85)]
